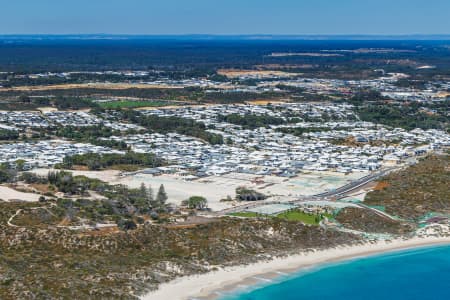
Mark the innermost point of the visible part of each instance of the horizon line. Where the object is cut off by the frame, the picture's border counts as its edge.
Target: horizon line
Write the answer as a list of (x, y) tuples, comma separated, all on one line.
[(228, 34), (249, 36)]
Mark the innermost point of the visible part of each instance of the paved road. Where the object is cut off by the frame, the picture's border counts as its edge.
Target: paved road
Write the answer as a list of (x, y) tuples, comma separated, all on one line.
[(378, 212), (338, 193), (356, 184)]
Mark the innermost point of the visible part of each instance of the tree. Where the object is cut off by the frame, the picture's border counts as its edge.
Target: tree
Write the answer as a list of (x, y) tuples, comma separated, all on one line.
[(150, 197), (154, 215), (161, 197), (127, 224), (245, 194), (197, 202), (67, 162), (145, 202), (94, 165), (6, 173), (20, 165), (5, 176), (24, 99), (143, 190)]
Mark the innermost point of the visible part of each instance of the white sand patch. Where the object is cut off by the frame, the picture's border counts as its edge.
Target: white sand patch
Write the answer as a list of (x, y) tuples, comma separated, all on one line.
[(9, 194), (47, 109), (356, 197), (107, 176)]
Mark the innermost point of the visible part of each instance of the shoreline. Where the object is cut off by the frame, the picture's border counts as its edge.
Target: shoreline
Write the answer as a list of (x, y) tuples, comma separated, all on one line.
[(228, 279)]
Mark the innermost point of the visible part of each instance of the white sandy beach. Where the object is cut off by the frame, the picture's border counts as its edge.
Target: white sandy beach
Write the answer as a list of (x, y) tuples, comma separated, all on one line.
[(207, 285)]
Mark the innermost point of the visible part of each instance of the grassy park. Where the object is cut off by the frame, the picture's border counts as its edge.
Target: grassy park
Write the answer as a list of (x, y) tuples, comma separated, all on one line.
[(299, 216)]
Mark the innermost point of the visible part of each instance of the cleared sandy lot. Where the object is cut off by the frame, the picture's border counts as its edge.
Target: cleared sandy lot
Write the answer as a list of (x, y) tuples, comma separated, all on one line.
[(9, 194), (215, 188), (107, 176)]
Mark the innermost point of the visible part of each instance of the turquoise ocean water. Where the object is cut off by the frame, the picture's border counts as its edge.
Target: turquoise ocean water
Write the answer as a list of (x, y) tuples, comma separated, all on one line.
[(422, 274)]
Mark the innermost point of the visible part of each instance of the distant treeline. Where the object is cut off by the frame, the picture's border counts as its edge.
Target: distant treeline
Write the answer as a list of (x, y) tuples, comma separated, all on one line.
[(25, 102), (184, 58), (6, 134), (78, 78), (251, 121), (95, 161), (239, 97), (299, 131), (58, 102), (78, 93), (403, 116), (371, 106), (93, 135), (67, 98), (173, 124)]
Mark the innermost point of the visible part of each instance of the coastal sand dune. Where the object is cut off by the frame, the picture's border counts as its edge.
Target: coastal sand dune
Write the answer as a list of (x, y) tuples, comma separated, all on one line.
[(206, 286)]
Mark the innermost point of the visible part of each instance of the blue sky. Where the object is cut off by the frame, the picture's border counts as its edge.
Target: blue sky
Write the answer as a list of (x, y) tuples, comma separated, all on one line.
[(225, 16)]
